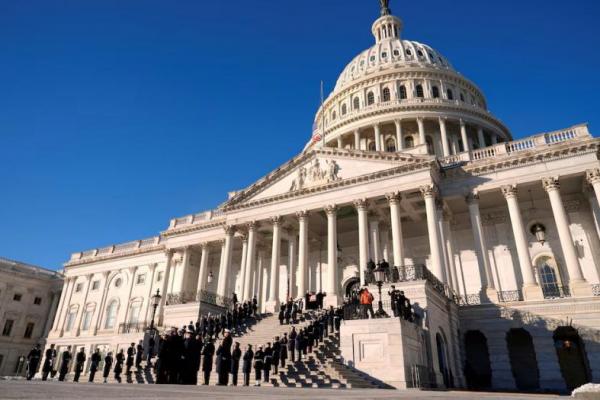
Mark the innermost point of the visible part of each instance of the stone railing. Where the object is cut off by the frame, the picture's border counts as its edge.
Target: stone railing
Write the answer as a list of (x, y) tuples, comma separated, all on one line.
[(596, 289), (193, 219), (556, 292), (505, 149), (203, 296), (133, 327), (117, 249)]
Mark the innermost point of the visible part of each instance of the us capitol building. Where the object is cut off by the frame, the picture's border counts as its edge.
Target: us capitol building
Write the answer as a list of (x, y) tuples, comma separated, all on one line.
[(405, 163)]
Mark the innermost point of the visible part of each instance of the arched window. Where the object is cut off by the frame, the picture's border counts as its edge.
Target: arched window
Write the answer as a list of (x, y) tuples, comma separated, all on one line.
[(134, 312), (344, 109), (408, 52), (462, 97), (390, 145), (435, 92), (72, 314), (333, 115), (371, 146), (386, 95), (356, 103), (409, 142), (549, 280), (449, 94), (419, 53), (402, 92), (419, 89), (370, 98), (111, 314)]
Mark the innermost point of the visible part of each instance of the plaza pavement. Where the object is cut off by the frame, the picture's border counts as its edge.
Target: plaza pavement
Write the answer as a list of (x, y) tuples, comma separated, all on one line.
[(68, 390)]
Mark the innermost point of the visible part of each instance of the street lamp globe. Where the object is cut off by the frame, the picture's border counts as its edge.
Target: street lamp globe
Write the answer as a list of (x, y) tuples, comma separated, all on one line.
[(156, 298), (379, 273)]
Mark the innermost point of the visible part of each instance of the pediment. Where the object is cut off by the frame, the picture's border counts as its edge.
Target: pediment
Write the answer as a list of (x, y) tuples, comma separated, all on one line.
[(322, 168)]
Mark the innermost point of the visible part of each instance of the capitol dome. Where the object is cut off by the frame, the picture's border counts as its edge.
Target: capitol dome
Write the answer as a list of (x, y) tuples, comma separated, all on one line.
[(404, 96)]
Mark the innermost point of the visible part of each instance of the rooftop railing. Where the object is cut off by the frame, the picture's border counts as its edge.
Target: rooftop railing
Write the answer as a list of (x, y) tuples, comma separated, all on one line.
[(117, 249), (205, 216)]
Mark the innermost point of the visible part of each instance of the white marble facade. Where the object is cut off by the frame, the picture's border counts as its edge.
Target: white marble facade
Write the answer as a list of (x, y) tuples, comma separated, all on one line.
[(405, 163)]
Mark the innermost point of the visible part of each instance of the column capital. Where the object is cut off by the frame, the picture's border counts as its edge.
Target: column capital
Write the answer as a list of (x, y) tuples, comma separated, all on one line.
[(132, 270), (443, 119), (204, 245), (550, 183), (89, 276), (592, 175), (244, 237), (229, 230), (462, 122), (420, 119), (428, 191), (221, 242), (331, 209), (303, 214), (276, 220), (509, 191), (152, 266), (361, 204), (472, 198), (394, 197), (105, 274), (252, 225)]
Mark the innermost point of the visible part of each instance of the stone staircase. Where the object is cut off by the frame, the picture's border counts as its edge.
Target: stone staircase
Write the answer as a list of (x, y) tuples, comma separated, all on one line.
[(320, 369)]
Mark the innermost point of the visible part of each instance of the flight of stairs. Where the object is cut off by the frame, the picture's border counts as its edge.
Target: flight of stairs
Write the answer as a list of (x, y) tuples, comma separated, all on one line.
[(320, 369)]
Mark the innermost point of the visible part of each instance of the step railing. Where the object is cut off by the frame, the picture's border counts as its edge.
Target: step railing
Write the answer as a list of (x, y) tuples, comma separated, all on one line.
[(201, 296)]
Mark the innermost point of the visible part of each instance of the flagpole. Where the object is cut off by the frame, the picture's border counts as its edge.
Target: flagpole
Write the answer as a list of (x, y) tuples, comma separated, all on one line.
[(322, 117)]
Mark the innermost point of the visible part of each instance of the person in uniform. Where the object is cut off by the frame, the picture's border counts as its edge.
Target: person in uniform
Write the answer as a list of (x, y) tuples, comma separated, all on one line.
[(108, 361), (139, 352), (207, 359), (284, 349), (120, 358), (258, 364), (236, 355), (276, 354), (292, 343), (224, 358), (247, 364), (190, 359), (33, 360), (130, 358), (79, 361), (50, 357), (268, 361), (64, 364), (95, 364)]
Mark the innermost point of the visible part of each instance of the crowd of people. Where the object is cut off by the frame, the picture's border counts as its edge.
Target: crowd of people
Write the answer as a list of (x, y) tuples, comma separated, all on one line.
[(179, 355)]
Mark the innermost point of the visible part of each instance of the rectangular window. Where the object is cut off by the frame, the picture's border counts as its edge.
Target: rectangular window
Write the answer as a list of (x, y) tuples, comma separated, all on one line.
[(159, 276), (37, 301), (1, 359), (79, 287), (70, 320), (134, 313), (87, 319), (141, 279), (95, 285), (29, 330), (17, 297), (8, 325)]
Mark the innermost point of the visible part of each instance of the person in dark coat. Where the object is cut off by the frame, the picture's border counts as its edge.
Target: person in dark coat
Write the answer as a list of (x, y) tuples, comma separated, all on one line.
[(254, 306), (236, 355), (120, 358), (190, 359), (224, 358), (33, 360), (294, 313), (64, 364), (276, 354), (281, 315), (292, 344), (284, 349), (247, 364), (95, 364), (130, 358), (139, 352), (234, 299), (258, 364), (268, 361), (208, 352), (108, 362), (50, 358), (79, 361)]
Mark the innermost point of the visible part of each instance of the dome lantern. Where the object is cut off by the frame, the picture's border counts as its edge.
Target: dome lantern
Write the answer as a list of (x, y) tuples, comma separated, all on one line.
[(387, 27)]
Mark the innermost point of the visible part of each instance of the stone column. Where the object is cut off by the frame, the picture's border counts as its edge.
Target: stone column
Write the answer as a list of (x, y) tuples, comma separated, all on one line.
[(203, 274), (421, 125), (96, 320), (377, 137), (396, 223), (399, 141), (243, 269), (357, 140), (77, 325), (444, 135), (593, 178), (63, 294), (463, 135), (226, 266), (450, 251), (578, 285), (163, 292), (332, 267), (494, 139), (531, 290), (480, 137), (259, 279), (363, 237), (429, 194), (275, 259), (183, 270), (375, 242), (292, 265), (442, 240), (302, 252), (250, 260), (485, 269), (67, 305), (152, 270), (265, 284)]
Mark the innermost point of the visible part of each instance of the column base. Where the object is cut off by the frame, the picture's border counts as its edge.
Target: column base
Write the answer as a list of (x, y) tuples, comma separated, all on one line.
[(581, 289), (272, 306), (532, 293), (489, 295)]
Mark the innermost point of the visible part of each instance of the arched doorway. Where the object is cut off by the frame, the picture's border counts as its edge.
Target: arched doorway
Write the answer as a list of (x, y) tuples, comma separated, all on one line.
[(352, 286), (478, 370), (571, 357), (443, 359), (523, 361)]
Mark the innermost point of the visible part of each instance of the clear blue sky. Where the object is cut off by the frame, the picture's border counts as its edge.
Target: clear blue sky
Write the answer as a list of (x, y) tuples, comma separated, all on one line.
[(116, 116)]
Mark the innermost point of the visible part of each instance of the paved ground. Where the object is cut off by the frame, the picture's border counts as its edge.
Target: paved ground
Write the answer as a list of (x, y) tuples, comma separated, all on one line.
[(57, 390)]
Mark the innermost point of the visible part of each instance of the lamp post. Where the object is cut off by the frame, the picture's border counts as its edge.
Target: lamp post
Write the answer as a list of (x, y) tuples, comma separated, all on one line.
[(155, 302), (379, 273)]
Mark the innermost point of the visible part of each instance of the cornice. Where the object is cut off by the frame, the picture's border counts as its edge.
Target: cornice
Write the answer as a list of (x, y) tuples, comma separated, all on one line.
[(193, 228), (135, 252)]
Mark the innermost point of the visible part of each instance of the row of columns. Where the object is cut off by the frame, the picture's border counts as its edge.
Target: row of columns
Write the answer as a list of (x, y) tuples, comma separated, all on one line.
[(450, 144)]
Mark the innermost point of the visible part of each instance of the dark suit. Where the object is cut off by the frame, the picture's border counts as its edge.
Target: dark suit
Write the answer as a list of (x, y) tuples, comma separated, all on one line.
[(247, 366), (208, 352), (95, 358), (236, 354), (33, 359), (64, 365), (79, 361), (48, 363)]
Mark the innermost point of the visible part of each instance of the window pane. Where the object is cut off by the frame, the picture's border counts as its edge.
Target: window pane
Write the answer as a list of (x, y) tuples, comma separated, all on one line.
[(7, 327)]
